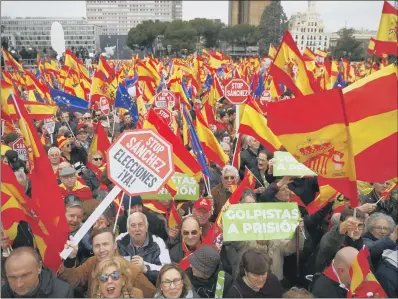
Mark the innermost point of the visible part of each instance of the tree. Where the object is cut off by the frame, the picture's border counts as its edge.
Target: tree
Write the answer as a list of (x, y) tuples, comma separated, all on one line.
[(145, 34), (273, 25), (246, 35), (347, 46), (180, 35), (210, 30)]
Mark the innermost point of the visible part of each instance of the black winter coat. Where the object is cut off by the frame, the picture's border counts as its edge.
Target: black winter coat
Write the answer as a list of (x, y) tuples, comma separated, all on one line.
[(248, 159), (49, 287), (206, 288), (324, 287), (271, 289), (387, 275)]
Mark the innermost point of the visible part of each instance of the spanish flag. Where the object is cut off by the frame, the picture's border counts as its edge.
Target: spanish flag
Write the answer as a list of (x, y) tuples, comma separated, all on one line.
[(359, 269), (254, 124), (386, 38), (321, 53), (371, 46), (318, 137), (308, 55), (174, 217), (9, 60), (289, 67), (271, 51), (184, 162), (100, 142), (369, 285), (326, 192), (71, 62), (374, 125)]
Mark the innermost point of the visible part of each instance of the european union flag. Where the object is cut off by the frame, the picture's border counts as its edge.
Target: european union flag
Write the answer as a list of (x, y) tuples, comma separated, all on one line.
[(196, 146), (260, 86), (131, 82), (123, 100), (340, 81), (68, 102), (162, 83), (208, 81)]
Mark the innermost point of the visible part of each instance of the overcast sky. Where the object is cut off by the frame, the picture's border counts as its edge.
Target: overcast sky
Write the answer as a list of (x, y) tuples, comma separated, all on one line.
[(336, 14)]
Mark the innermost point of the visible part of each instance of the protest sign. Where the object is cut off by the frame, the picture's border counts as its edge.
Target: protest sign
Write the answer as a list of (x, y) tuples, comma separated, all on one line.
[(286, 164), (187, 189), (260, 221), (140, 162), (20, 147)]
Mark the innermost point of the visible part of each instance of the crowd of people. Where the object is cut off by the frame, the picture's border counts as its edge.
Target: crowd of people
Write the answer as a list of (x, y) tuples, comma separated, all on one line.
[(135, 254)]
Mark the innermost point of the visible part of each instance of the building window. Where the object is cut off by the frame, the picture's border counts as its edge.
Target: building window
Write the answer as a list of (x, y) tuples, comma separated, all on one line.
[(296, 37)]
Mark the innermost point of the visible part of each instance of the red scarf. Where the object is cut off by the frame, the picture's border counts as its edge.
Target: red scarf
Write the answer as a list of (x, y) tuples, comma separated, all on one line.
[(331, 274)]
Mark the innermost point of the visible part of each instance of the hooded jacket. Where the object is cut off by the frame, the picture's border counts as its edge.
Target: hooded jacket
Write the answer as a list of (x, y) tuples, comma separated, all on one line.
[(387, 273), (376, 246), (49, 287)]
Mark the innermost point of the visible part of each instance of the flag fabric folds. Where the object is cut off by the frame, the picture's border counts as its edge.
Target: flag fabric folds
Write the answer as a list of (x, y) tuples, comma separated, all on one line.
[(68, 102), (359, 268), (386, 38), (123, 100), (100, 142), (317, 136)]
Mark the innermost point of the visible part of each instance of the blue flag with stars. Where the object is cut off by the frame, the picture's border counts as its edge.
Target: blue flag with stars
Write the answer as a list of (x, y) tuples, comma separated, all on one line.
[(196, 146), (68, 102), (123, 100), (260, 86)]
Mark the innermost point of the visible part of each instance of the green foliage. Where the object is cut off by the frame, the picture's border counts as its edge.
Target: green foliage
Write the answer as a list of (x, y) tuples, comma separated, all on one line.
[(145, 34), (272, 26), (209, 30), (180, 35), (347, 46)]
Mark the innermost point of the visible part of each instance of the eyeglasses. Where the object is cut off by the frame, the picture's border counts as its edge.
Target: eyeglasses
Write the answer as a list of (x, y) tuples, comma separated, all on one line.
[(97, 159), (114, 275), (176, 282), (381, 228), (86, 118), (187, 233), (229, 178)]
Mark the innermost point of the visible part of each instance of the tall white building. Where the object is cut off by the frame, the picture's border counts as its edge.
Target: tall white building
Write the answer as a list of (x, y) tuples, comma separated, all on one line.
[(117, 17), (36, 32), (308, 29)]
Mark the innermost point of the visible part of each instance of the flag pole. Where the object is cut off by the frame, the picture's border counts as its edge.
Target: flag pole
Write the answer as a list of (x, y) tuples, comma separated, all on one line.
[(371, 65)]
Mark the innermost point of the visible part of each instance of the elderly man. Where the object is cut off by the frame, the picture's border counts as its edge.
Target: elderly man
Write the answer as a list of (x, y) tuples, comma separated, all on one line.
[(70, 184), (222, 192), (335, 281), (202, 211), (191, 234), (28, 278), (260, 171), (82, 137), (104, 246), (143, 249), (248, 157), (54, 155)]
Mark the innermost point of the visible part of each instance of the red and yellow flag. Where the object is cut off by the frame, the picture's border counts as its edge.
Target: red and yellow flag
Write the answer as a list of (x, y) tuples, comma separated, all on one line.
[(289, 67), (359, 268), (271, 51), (326, 192), (308, 55), (318, 137), (100, 142), (371, 46), (9, 60), (374, 125), (174, 217), (386, 38)]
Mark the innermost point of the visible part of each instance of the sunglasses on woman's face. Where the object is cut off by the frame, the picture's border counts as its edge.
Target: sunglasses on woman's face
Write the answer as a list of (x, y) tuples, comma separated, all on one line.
[(97, 159), (114, 275), (87, 118), (229, 178)]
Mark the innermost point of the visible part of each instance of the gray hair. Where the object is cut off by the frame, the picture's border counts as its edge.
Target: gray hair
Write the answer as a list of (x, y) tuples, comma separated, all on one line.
[(137, 214), (245, 194), (229, 168), (54, 150), (377, 216)]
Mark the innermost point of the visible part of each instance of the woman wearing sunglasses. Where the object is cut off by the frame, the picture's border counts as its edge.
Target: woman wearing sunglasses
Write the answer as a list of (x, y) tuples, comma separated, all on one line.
[(96, 163), (110, 280), (173, 282)]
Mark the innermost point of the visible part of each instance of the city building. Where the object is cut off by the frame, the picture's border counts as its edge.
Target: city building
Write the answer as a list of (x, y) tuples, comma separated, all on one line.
[(36, 32), (117, 17), (362, 35), (308, 29), (246, 11)]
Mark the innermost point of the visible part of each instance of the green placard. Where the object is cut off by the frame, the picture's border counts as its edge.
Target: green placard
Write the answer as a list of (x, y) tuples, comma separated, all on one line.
[(187, 189), (286, 164), (220, 285), (260, 221)]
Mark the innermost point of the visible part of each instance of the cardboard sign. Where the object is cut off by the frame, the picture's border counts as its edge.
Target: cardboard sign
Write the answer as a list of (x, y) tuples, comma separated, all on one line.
[(104, 106), (237, 91), (49, 125), (187, 189), (20, 148), (260, 221), (286, 164), (140, 162)]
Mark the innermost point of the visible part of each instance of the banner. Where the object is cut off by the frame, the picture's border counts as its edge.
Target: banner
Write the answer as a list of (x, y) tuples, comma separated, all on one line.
[(260, 221), (286, 164), (187, 189)]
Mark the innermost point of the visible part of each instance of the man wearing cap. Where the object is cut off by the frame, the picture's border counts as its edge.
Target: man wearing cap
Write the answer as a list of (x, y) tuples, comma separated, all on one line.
[(202, 211), (70, 184), (203, 273), (72, 155), (191, 235), (82, 136)]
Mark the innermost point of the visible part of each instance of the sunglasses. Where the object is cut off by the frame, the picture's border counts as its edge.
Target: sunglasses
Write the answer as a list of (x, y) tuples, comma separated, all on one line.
[(114, 275), (229, 178), (187, 233), (87, 118), (97, 159)]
